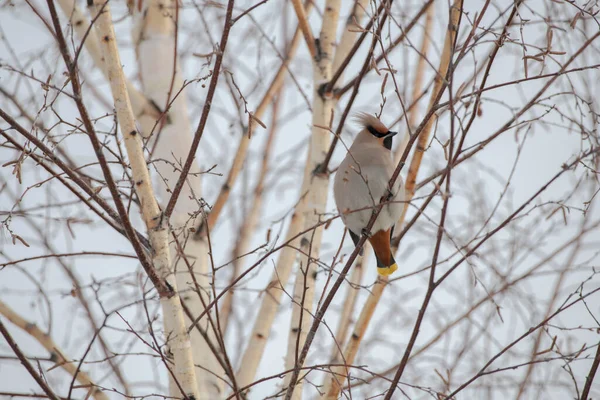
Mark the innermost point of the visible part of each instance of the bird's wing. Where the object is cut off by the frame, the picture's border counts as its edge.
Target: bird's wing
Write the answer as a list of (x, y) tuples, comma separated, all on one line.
[(361, 180)]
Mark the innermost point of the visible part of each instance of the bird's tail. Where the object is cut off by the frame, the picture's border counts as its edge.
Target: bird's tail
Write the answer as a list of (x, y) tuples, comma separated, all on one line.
[(386, 265)]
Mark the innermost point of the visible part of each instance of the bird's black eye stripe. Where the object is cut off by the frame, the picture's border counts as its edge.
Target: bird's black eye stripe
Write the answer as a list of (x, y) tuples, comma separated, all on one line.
[(375, 132)]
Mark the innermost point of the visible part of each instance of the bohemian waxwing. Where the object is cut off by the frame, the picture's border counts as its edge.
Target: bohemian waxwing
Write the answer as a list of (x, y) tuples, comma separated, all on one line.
[(361, 180)]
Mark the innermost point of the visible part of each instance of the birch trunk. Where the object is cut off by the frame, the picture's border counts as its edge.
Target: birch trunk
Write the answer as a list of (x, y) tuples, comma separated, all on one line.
[(348, 305), (351, 30), (155, 39), (81, 25), (347, 41), (339, 373), (242, 150), (270, 302), (175, 329), (251, 219), (423, 140), (271, 298), (317, 189), (417, 84)]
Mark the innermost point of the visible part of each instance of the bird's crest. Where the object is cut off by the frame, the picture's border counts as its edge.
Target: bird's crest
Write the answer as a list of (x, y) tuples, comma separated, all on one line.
[(367, 120)]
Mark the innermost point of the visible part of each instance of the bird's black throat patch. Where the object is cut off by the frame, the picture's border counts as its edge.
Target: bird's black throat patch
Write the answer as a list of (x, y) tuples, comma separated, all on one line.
[(387, 142)]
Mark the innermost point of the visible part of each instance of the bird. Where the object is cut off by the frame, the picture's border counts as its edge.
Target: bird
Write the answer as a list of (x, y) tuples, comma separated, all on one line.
[(361, 180)]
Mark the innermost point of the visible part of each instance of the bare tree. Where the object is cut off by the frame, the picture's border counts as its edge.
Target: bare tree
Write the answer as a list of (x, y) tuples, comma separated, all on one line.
[(165, 202)]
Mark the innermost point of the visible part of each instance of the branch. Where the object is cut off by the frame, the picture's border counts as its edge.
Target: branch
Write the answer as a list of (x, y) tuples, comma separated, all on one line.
[(332, 385), (590, 377), (340, 92), (242, 150), (305, 28), (54, 350), (124, 218), (315, 185), (412, 112), (521, 337), (40, 381), (70, 272), (112, 219), (340, 63), (251, 219), (373, 300), (83, 28), (438, 87), (324, 165), (155, 221), (205, 111)]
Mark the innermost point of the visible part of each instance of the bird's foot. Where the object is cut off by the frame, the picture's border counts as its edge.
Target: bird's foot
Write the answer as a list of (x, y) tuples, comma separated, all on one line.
[(389, 195)]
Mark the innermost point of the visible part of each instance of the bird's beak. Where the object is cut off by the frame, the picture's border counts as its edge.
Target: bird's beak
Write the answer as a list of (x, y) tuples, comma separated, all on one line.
[(390, 134)]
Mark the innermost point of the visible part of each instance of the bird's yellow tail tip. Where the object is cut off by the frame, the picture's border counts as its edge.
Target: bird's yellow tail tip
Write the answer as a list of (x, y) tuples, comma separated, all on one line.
[(385, 271)]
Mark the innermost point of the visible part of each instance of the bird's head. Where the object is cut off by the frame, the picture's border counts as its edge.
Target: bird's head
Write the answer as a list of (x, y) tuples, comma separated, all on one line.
[(374, 129)]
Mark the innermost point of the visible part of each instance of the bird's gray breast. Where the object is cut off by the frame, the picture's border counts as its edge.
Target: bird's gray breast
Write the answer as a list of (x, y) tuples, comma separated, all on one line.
[(359, 185)]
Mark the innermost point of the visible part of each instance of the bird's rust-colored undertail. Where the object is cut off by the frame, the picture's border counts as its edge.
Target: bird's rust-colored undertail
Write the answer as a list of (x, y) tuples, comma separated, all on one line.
[(383, 252)]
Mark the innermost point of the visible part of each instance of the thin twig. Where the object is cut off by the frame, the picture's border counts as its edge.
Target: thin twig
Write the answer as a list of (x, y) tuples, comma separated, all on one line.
[(40, 381), (205, 112), (591, 374), (305, 27)]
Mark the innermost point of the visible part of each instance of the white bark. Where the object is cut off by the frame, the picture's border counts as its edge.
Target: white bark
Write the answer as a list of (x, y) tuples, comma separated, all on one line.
[(175, 328), (270, 303), (351, 349), (317, 186), (81, 24), (339, 374), (251, 219), (349, 303), (157, 57), (420, 68), (281, 274), (242, 150), (351, 30)]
